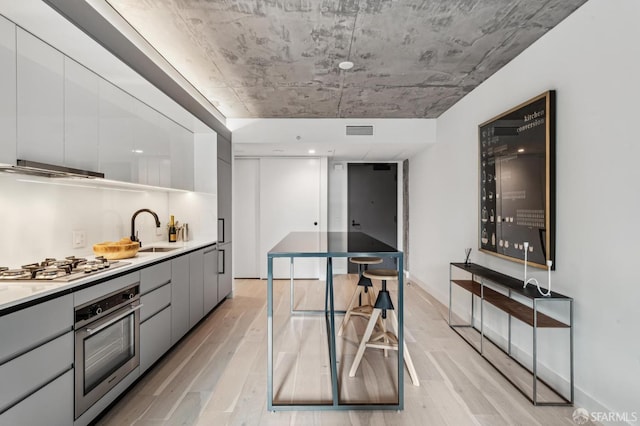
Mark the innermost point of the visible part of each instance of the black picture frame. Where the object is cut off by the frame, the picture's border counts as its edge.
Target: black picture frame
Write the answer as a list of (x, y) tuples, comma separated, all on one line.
[(517, 182)]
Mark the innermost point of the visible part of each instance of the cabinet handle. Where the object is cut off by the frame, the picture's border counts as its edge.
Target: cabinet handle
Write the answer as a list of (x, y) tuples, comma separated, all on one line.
[(221, 230), (220, 272)]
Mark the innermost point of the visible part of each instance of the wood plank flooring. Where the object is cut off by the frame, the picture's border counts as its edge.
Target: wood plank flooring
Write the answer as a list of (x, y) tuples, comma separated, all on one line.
[(217, 374)]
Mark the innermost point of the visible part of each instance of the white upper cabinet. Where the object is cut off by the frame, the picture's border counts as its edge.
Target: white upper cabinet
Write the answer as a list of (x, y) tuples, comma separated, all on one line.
[(8, 90), (205, 162), (55, 110), (151, 147), (40, 95), (115, 133), (182, 160), (80, 116)]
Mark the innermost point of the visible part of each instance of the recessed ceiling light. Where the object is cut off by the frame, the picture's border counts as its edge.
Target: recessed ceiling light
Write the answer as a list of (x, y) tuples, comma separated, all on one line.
[(346, 65), (312, 151), (521, 150), (137, 151)]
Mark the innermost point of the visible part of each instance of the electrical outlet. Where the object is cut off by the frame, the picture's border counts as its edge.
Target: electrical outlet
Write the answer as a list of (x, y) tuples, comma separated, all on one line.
[(79, 239)]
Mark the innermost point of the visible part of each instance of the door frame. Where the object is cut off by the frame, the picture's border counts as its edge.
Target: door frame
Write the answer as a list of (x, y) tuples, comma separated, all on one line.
[(338, 202)]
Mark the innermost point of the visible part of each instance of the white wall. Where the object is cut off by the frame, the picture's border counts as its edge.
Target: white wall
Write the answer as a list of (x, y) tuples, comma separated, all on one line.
[(40, 214), (592, 60), (329, 130), (392, 139)]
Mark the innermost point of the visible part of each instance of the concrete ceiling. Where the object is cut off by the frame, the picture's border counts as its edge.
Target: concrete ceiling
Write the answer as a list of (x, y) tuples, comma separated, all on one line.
[(279, 59)]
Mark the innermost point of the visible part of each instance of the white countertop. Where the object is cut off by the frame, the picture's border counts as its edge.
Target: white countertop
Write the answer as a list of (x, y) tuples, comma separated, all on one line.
[(14, 293)]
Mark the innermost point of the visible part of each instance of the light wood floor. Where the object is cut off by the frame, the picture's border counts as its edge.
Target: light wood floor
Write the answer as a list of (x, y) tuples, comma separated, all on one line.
[(217, 374)]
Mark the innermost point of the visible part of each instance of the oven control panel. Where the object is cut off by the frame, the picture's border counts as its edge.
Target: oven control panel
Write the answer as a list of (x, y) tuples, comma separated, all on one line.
[(107, 304)]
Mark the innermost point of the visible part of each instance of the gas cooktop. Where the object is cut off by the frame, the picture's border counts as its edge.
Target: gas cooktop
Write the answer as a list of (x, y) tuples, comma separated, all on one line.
[(62, 270)]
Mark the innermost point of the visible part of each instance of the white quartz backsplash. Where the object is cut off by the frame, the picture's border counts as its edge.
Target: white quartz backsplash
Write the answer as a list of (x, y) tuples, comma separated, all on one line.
[(39, 215)]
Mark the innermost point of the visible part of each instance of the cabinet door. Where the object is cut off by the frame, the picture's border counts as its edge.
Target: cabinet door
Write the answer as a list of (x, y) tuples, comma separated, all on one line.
[(80, 116), (24, 329), (210, 279), (115, 133), (151, 160), (181, 157), (154, 302), (205, 165), (40, 102), (50, 406), (34, 369), (154, 277), (196, 287), (179, 297), (224, 149), (225, 279), (8, 90), (155, 339), (224, 202)]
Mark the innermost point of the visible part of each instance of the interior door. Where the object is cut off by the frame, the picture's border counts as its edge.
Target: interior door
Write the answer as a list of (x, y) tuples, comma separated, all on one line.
[(289, 201), (373, 203), (246, 199)]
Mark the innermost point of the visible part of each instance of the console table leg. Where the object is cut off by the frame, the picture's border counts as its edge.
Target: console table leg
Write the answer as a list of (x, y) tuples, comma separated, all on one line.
[(291, 291), (535, 353), (473, 313), (450, 294), (481, 317), (571, 345), (509, 327)]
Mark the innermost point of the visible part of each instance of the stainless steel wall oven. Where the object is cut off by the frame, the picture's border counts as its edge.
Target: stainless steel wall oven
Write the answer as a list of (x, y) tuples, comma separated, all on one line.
[(107, 344)]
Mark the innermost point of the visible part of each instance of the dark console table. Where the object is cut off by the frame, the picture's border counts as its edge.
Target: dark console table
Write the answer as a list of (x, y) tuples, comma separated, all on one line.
[(508, 295)]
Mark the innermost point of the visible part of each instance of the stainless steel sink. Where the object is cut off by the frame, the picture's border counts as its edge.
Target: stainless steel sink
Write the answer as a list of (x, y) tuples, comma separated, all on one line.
[(156, 249)]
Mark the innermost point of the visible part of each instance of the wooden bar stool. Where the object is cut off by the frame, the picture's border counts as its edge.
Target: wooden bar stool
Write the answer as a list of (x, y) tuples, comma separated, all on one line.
[(364, 287), (385, 339)]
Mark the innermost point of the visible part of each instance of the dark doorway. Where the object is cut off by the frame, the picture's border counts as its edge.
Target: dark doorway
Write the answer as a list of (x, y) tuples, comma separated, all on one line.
[(373, 203)]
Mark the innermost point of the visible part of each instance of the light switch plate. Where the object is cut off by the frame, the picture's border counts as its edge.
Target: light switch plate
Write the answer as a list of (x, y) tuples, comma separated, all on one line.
[(79, 239)]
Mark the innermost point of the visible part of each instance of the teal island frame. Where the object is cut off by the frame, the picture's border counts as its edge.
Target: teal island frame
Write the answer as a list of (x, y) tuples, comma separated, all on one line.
[(330, 245)]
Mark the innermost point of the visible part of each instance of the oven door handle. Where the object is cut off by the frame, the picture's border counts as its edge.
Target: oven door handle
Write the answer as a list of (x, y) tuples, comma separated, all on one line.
[(91, 331)]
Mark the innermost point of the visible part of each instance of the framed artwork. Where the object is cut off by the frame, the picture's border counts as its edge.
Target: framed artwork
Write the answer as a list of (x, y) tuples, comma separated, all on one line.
[(517, 182)]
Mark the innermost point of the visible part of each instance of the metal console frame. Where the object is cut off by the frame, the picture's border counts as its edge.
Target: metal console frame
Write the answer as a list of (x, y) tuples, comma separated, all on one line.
[(534, 397), (329, 313)]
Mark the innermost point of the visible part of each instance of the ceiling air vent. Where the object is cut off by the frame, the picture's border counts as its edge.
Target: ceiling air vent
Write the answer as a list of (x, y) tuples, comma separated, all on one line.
[(359, 130)]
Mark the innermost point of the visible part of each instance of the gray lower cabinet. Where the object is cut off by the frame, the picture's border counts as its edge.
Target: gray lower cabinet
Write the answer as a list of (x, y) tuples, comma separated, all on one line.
[(51, 405), (225, 280), (179, 297), (196, 287), (155, 338), (37, 347), (155, 314), (225, 239), (210, 256), (36, 364)]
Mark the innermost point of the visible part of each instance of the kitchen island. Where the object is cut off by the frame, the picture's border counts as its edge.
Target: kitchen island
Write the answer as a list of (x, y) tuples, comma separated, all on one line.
[(329, 245)]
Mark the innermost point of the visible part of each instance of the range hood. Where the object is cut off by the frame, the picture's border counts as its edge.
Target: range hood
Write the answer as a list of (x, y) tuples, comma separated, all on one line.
[(35, 168)]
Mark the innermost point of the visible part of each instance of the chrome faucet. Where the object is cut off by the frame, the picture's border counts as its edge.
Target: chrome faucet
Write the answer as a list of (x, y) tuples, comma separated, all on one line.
[(134, 234)]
